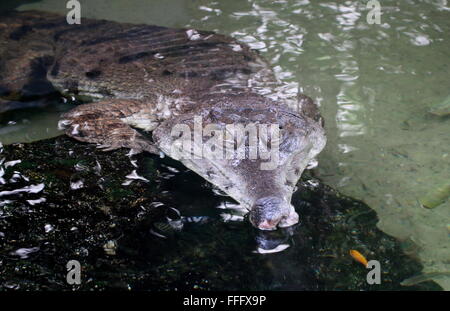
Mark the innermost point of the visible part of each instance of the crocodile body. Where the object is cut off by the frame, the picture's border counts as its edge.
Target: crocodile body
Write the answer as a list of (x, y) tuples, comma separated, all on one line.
[(145, 80)]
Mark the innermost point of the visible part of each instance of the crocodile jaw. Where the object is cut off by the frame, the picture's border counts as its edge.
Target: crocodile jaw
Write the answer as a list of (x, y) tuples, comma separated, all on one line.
[(266, 193)]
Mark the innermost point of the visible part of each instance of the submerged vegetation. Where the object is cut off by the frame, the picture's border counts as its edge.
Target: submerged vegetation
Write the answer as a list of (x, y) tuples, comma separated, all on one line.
[(442, 108), (436, 197)]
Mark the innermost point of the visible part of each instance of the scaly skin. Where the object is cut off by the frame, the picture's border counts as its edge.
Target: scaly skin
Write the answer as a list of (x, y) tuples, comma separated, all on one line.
[(151, 78)]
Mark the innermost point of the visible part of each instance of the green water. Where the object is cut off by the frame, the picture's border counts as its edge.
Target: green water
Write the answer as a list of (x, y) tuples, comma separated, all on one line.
[(374, 83)]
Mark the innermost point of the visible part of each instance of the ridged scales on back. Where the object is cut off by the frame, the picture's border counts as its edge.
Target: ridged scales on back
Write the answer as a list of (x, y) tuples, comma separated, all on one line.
[(166, 70), (145, 78)]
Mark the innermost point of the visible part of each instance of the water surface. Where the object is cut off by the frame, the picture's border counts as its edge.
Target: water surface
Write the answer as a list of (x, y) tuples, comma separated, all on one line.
[(374, 83)]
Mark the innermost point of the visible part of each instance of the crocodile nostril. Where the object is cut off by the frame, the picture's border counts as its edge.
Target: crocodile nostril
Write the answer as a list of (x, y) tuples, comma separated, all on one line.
[(267, 212)]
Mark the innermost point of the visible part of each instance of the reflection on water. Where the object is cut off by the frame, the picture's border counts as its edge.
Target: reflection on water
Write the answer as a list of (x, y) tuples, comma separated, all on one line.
[(375, 85)]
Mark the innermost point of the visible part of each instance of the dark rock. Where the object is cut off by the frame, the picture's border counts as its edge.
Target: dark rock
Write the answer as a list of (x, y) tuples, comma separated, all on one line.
[(77, 224)]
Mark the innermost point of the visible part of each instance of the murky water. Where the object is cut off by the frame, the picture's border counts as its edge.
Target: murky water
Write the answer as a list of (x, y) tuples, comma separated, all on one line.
[(374, 83)]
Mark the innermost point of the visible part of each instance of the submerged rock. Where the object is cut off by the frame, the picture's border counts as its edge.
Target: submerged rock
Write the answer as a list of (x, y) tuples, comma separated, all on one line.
[(113, 224), (442, 108)]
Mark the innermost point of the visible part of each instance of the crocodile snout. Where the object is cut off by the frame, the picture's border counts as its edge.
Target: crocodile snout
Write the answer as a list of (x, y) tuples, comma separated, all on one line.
[(269, 212)]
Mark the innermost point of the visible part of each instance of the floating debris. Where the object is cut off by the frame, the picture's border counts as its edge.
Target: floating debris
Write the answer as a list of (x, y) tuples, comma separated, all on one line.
[(76, 185), (193, 34), (12, 163), (38, 201), (5, 202), (29, 189), (156, 204), (14, 177), (230, 217), (127, 183), (359, 257), (110, 248), (237, 209), (98, 167), (236, 47), (134, 175), (423, 278), (441, 109), (48, 228), (436, 197), (313, 183), (157, 234), (312, 164), (326, 57), (80, 167), (24, 253), (277, 249), (132, 152), (2, 172), (170, 168)]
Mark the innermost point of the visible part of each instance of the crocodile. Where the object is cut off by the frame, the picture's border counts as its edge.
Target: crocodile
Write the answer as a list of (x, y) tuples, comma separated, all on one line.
[(140, 82)]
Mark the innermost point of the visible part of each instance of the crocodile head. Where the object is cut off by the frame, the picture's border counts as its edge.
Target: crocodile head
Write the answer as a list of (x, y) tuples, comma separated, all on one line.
[(252, 149)]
